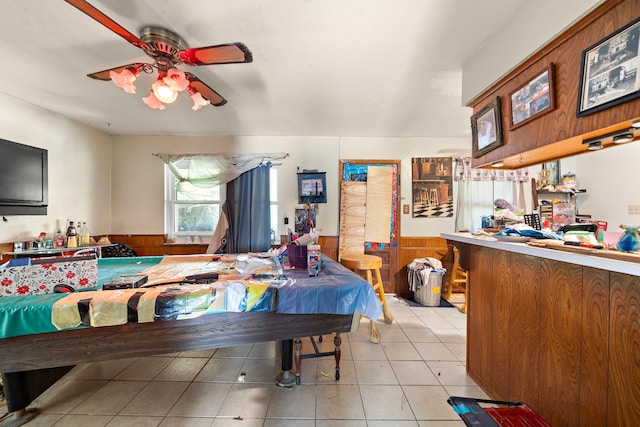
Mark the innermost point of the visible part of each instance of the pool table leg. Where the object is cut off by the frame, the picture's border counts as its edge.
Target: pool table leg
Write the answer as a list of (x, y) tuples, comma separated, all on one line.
[(16, 392), (337, 341), (285, 379)]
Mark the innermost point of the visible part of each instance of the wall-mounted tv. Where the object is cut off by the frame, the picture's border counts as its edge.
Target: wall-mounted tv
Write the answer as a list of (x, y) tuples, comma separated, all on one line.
[(24, 179)]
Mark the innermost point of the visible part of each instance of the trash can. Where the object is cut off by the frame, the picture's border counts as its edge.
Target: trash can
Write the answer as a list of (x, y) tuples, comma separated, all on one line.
[(429, 293), (425, 280)]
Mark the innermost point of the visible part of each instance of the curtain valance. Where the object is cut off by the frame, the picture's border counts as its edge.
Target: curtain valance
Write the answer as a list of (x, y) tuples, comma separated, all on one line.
[(464, 172), (209, 170)]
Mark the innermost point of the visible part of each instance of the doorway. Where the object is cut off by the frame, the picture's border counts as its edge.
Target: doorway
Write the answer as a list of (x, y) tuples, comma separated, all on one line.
[(357, 171)]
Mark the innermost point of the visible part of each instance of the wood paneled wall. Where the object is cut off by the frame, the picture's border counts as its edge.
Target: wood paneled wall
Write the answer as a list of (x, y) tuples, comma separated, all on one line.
[(154, 245), (560, 132), (411, 248), (561, 337)]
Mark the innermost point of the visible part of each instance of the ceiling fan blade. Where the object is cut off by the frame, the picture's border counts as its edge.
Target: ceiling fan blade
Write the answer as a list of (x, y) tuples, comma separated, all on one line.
[(104, 75), (85, 7), (231, 53), (207, 93)]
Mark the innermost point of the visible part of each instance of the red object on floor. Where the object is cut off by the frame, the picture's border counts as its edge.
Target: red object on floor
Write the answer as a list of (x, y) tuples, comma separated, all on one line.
[(517, 416), (501, 413)]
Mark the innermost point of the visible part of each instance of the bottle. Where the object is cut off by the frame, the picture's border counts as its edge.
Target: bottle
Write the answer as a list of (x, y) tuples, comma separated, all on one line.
[(85, 238), (314, 260), (72, 236), (58, 240)]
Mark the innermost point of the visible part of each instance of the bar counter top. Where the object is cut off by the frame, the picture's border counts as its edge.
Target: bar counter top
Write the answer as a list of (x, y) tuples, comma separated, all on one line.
[(590, 257)]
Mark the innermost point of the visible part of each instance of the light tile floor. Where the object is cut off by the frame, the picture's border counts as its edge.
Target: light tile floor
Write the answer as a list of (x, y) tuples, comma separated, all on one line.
[(403, 382)]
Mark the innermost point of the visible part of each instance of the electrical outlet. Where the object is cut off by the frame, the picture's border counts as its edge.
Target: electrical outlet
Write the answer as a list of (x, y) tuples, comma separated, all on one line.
[(634, 209), (405, 209)]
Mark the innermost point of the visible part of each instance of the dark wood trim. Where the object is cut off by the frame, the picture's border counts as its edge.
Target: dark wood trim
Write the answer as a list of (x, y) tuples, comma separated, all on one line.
[(561, 337), (551, 46), (76, 346), (560, 133)]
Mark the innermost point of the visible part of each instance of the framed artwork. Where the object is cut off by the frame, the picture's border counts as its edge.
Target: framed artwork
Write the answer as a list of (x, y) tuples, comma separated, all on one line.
[(432, 187), (609, 71), (486, 128), (533, 99), (552, 172), (312, 187), (305, 220)]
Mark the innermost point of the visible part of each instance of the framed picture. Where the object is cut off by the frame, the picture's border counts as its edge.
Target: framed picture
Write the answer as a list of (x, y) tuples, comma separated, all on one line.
[(552, 172), (609, 71), (312, 187), (486, 128), (432, 187), (533, 99)]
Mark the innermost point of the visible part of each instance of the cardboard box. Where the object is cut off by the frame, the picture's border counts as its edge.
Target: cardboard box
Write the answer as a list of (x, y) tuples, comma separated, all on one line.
[(79, 272)]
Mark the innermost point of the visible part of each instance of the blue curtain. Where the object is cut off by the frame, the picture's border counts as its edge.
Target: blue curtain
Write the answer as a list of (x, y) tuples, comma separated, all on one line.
[(248, 211)]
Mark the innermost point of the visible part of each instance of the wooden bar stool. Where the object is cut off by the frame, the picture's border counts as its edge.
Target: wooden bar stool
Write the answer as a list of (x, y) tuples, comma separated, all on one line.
[(457, 281), (370, 265), (433, 197)]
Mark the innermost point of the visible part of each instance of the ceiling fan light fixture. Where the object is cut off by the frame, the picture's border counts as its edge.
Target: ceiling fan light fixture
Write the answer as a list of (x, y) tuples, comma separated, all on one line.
[(153, 102), (163, 92), (198, 100), (176, 80), (125, 79)]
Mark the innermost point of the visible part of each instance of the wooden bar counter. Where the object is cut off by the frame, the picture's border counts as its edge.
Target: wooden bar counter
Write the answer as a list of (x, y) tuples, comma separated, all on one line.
[(557, 330)]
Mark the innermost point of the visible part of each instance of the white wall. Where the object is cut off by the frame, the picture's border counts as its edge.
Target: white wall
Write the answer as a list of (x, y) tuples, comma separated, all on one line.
[(609, 177), (79, 170), (535, 23), (404, 149), (138, 192), (138, 195)]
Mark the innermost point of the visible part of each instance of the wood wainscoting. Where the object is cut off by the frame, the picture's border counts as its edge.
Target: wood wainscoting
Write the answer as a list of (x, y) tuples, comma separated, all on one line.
[(154, 245), (411, 248)]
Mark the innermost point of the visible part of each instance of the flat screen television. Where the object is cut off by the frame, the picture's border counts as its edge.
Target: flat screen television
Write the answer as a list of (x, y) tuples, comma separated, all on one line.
[(24, 179)]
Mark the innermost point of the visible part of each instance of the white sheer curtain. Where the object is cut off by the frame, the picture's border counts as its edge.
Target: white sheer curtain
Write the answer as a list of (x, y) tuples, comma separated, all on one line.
[(478, 188), (209, 170)]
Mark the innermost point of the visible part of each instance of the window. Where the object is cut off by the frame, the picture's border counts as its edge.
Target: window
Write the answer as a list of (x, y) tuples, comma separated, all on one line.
[(191, 210), (194, 211), (476, 198)]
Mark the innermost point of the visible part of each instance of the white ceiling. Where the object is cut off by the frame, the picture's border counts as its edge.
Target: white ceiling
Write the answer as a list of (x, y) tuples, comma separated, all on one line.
[(321, 67)]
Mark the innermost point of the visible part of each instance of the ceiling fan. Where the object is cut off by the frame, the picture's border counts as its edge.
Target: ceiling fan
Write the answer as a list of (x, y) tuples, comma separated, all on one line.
[(167, 49)]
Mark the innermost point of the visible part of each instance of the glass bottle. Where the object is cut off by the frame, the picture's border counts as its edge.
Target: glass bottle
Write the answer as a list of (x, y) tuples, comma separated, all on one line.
[(85, 238), (72, 236), (58, 240)]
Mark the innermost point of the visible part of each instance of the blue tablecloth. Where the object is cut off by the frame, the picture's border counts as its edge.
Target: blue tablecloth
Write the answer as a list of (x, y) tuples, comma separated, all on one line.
[(336, 290)]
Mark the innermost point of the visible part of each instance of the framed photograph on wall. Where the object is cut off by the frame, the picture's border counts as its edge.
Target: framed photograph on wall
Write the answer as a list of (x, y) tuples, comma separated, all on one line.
[(552, 172), (486, 128), (609, 71), (533, 99), (312, 187)]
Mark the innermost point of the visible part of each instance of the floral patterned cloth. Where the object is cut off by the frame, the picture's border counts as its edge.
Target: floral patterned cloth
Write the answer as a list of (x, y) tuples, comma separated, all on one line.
[(41, 278)]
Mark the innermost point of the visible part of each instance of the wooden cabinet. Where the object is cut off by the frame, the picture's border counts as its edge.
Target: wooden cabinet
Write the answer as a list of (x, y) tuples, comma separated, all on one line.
[(560, 133), (564, 338)]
